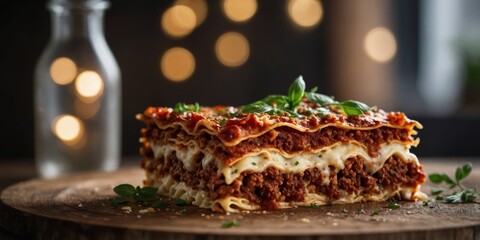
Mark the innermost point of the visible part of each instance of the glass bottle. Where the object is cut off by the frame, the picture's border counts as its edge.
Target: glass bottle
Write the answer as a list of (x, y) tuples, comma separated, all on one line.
[(77, 90)]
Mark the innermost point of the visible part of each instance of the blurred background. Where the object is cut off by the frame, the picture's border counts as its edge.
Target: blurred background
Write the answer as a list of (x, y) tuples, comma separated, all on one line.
[(420, 57)]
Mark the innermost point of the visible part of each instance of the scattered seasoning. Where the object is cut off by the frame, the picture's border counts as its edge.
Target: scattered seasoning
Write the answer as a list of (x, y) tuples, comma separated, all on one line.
[(305, 220), (229, 224), (254, 163), (425, 203), (146, 210), (296, 163), (235, 171), (375, 212), (329, 203), (361, 211)]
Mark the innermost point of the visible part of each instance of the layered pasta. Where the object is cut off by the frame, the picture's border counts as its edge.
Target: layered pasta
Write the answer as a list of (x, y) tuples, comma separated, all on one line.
[(227, 160)]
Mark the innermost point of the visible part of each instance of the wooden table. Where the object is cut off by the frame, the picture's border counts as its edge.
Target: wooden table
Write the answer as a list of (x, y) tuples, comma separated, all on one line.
[(78, 207)]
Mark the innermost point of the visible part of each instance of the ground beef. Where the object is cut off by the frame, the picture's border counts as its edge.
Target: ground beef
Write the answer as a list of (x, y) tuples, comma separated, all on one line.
[(271, 187), (284, 138)]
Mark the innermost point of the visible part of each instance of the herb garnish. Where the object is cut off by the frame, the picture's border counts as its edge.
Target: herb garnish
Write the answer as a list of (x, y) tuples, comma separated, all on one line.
[(464, 195), (375, 212), (313, 205), (287, 105), (144, 196), (393, 205), (230, 223), (180, 202), (182, 107)]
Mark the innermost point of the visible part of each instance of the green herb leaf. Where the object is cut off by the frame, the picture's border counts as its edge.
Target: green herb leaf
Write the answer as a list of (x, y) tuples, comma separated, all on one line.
[(118, 201), (313, 205), (182, 107), (125, 190), (448, 180), (354, 108), (314, 89), (393, 205), (295, 92), (180, 202), (257, 107), (425, 203), (436, 191), (159, 203), (223, 122), (280, 100), (465, 196), (147, 192), (296, 163), (230, 223), (323, 111), (375, 212), (319, 98), (435, 177), (463, 171)]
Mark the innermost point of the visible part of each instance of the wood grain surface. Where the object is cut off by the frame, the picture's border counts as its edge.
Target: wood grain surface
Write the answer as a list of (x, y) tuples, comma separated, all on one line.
[(78, 207)]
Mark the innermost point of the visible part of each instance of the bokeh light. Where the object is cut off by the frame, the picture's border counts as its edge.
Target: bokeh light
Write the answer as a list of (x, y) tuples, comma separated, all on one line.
[(199, 7), (239, 10), (89, 85), (178, 21), (380, 45), (67, 128), (177, 64), (305, 13), (63, 70), (232, 49)]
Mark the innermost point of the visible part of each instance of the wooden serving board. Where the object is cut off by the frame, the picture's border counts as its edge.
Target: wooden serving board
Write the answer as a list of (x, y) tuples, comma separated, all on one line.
[(78, 206)]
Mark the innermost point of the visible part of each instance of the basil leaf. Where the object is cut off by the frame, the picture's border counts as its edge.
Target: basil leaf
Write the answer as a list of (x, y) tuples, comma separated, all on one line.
[(435, 178), (125, 190), (182, 107), (323, 111), (295, 92), (256, 107), (354, 108), (279, 100), (319, 98), (313, 89)]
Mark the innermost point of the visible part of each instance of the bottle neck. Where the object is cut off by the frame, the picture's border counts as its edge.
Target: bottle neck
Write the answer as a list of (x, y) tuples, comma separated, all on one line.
[(77, 19)]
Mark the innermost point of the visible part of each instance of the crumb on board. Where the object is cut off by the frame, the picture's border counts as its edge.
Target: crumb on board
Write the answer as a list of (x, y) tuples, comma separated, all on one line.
[(305, 220), (146, 210)]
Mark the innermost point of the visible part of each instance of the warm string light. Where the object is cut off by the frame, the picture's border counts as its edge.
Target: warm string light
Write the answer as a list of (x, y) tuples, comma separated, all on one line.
[(199, 7), (178, 21), (239, 10), (380, 44), (63, 70), (305, 13), (232, 49), (177, 64), (88, 86), (68, 129)]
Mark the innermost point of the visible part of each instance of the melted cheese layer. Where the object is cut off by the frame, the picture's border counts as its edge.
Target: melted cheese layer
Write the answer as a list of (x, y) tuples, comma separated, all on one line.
[(334, 155)]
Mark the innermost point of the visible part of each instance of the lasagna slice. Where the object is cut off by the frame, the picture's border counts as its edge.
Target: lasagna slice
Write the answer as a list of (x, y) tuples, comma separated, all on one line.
[(280, 152)]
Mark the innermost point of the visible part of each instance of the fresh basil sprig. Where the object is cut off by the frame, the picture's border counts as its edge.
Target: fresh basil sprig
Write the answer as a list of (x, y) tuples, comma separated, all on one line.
[(182, 107), (281, 104), (144, 196), (464, 195)]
